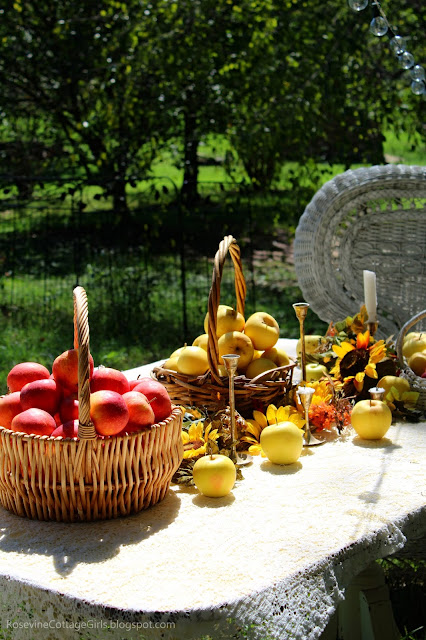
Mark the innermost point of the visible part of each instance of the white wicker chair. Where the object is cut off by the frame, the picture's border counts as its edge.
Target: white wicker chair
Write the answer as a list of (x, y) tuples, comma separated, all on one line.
[(371, 218)]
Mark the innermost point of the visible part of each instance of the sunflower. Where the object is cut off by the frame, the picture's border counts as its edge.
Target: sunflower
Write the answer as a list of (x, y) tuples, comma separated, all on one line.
[(197, 439), (262, 420), (357, 359)]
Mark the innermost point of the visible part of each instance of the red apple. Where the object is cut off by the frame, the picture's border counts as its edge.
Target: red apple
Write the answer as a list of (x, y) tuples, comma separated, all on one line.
[(109, 378), (41, 394), (67, 430), (25, 372), (108, 412), (65, 369), (157, 396), (132, 384), (68, 408), (10, 406), (34, 421), (140, 411)]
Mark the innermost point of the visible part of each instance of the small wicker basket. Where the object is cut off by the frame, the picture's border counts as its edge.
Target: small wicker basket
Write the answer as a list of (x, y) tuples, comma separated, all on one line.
[(89, 478), (417, 383), (211, 391)]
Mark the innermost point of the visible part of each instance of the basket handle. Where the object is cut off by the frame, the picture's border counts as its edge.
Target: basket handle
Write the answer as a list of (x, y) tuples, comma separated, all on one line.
[(86, 429), (228, 244), (410, 323)]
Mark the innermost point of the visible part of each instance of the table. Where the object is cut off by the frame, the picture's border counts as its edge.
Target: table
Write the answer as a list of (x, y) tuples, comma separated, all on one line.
[(272, 559)]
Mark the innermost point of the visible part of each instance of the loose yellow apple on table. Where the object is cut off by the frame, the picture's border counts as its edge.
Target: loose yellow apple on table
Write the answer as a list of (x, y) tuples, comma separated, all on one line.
[(371, 419), (315, 371), (237, 343), (214, 475), (311, 344), (228, 319), (282, 442), (262, 329), (192, 361), (258, 366)]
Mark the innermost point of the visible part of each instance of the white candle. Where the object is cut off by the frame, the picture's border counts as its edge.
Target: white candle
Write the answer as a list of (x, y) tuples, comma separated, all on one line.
[(370, 295)]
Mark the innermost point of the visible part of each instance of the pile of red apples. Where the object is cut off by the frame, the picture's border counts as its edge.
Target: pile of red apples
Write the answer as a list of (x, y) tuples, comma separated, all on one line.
[(46, 404)]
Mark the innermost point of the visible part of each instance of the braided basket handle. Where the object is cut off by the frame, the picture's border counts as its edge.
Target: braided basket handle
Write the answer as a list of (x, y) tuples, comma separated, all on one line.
[(228, 244), (86, 429), (410, 323)]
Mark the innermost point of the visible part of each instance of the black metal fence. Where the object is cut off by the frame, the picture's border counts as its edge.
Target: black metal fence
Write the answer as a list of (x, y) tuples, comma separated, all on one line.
[(147, 269)]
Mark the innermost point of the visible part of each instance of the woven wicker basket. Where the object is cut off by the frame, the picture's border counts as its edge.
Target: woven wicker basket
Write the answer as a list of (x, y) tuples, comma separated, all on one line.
[(416, 383), (211, 391), (89, 478)]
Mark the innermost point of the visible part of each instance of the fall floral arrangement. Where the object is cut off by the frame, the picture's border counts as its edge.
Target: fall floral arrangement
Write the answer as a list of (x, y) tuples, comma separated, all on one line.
[(356, 362)]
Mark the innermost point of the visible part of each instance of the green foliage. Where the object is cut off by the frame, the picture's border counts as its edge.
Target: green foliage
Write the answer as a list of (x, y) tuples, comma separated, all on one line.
[(99, 88)]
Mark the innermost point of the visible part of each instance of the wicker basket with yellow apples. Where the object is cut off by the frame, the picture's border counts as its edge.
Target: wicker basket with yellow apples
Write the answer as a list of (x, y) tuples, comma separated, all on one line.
[(97, 470), (209, 388), (411, 353)]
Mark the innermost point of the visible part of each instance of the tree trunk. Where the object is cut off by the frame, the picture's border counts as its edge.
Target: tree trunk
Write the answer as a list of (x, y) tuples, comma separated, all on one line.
[(190, 177)]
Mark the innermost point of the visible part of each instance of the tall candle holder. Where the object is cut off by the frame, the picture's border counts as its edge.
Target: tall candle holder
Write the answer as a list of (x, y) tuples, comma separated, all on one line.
[(231, 363), (305, 395), (377, 393), (372, 327), (301, 309)]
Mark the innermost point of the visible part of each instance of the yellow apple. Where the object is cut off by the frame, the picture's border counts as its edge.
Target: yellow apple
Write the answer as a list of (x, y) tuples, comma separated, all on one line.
[(237, 343), (201, 341), (262, 329), (387, 382), (177, 352), (414, 345), (371, 419), (315, 371), (282, 442), (311, 344), (214, 476), (172, 364), (228, 319), (417, 362), (192, 361), (222, 370), (258, 354), (258, 366), (277, 355), (410, 336)]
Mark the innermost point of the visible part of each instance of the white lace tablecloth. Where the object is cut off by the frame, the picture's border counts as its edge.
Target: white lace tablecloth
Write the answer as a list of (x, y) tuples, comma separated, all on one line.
[(272, 559)]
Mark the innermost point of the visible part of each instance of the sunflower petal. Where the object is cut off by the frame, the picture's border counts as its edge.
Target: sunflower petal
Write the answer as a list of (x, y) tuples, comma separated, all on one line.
[(359, 381), (370, 370), (271, 414), (185, 437), (254, 428), (342, 349), (260, 418), (282, 414), (255, 449), (363, 340)]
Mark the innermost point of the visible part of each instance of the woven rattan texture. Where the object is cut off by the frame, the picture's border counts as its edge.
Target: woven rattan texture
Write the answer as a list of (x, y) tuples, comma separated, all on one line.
[(416, 382), (370, 218), (211, 391)]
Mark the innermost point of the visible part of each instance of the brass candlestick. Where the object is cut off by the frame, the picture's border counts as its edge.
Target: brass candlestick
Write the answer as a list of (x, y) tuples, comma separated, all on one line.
[(305, 395), (231, 364), (377, 393), (372, 327), (301, 309)]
